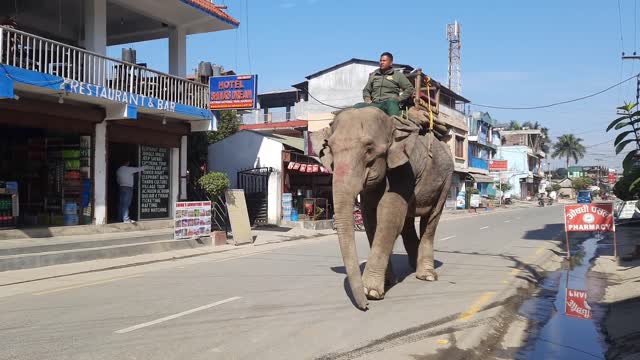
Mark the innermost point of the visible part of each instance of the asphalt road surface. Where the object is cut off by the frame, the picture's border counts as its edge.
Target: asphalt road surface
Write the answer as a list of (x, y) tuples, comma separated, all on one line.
[(281, 301)]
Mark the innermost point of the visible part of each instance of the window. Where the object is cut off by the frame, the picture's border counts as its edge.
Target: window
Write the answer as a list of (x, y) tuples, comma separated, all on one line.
[(459, 147)]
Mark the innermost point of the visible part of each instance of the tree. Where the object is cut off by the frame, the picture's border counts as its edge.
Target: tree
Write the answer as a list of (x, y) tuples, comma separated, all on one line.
[(228, 124), (569, 146), (556, 187), (514, 125), (628, 188), (582, 183), (505, 187), (214, 183)]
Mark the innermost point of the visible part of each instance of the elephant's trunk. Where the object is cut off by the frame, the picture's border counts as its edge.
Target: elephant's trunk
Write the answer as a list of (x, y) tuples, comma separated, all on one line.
[(343, 203)]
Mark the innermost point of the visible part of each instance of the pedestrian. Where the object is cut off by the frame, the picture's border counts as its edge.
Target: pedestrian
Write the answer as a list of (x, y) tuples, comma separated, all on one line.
[(387, 87), (125, 182)]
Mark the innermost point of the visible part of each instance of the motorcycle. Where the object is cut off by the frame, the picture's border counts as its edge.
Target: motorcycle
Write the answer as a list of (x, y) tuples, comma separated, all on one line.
[(541, 201), (358, 222), (549, 201), (507, 201)]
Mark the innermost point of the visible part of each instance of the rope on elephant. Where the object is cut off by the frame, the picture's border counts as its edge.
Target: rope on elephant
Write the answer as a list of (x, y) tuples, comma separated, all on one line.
[(429, 102)]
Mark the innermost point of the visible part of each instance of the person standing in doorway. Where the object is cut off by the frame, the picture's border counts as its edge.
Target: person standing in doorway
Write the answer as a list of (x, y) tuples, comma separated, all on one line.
[(125, 182)]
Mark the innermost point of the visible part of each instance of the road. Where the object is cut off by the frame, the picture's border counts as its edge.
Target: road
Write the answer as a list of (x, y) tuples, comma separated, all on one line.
[(282, 301)]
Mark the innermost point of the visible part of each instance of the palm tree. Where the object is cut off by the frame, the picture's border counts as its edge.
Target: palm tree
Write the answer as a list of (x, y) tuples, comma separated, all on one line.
[(569, 146)]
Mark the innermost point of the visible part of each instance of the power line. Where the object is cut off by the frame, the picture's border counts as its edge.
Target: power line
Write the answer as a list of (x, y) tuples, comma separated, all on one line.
[(560, 102)]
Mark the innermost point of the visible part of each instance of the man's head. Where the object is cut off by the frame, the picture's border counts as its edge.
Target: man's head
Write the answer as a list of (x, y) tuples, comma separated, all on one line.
[(126, 163), (386, 61)]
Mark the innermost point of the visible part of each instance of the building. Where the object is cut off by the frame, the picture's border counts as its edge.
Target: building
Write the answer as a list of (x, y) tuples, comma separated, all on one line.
[(71, 115), (482, 148), (522, 150), (309, 105), (575, 172)]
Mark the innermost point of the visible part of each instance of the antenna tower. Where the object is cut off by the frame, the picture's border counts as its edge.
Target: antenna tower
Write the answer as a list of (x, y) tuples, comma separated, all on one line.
[(455, 43)]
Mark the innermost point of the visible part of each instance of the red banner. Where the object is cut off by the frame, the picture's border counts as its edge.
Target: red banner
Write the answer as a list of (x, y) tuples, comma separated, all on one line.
[(576, 305), (498, 165), (588, 217)]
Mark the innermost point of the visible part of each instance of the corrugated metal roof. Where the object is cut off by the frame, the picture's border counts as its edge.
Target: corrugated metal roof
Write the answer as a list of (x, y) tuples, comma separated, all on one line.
[(294, 142)]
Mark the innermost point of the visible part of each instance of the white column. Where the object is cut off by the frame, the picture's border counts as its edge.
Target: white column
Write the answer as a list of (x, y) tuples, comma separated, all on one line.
[(95, 26), (183, 168), (178, 51), (100, 175), (175, 179)]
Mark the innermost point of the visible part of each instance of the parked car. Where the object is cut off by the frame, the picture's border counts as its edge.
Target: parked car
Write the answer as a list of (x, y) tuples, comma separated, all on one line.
[(584, 197)]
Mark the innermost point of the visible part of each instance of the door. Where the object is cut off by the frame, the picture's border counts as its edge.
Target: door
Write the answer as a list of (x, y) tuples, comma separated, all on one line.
[(118, 153)]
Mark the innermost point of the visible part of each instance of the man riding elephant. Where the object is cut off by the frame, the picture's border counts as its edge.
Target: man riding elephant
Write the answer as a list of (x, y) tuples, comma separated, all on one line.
[(387, 87)]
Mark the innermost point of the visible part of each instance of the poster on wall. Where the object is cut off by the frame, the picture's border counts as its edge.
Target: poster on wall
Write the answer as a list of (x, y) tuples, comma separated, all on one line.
[(154, 182), (192, 219), (461, 199)]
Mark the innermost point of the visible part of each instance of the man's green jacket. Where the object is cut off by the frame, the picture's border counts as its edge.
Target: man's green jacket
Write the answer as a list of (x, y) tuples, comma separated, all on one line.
[(392, 84)]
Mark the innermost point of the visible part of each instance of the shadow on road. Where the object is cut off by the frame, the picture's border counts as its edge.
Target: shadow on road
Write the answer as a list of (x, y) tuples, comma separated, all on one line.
[(401, 269)]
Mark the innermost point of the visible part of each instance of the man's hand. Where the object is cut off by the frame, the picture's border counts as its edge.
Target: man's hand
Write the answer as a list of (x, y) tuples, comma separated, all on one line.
[(368, 101)]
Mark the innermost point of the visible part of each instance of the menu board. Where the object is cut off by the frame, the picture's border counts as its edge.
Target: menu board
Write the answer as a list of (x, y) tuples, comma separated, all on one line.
[(154, 182), (192, 219)]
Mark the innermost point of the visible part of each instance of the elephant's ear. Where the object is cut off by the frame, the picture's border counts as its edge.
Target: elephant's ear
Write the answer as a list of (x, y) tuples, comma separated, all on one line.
[(405, 134), (320, 148)]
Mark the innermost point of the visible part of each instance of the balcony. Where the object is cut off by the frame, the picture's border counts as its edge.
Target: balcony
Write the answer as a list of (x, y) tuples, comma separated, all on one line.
[(478, 163), (259, 117), (74, 70)]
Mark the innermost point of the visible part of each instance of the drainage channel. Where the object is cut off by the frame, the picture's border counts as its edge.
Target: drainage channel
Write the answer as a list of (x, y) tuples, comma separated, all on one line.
[(553, 334)]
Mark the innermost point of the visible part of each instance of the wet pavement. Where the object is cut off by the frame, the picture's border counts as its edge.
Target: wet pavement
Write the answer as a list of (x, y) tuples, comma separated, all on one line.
[(553, 334)]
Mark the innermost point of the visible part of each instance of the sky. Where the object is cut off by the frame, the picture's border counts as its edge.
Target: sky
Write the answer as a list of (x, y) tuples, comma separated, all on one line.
[(514, 53)]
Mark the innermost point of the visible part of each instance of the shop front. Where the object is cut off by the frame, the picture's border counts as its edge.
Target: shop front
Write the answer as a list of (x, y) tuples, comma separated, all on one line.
[(46, 167), (307, 189), (157, 148)]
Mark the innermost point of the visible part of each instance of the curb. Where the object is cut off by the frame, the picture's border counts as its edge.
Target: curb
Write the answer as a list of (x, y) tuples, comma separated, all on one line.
[(172, 258)]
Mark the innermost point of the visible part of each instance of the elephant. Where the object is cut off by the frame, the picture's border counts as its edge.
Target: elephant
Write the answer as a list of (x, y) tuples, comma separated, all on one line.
[(400, 175)]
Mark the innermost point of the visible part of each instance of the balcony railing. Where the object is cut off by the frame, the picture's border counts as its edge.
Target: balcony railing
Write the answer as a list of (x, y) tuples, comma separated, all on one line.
[(259, 117), (39, 54), (478, 163)]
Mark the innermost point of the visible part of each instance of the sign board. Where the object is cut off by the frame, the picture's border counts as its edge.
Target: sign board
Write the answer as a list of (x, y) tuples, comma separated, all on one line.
[(576, 305), (154, 182), (612, 178), (588, 217), (629, 210), (461, 198), (498, 165), (474, 202), (192, 219), (238, 216), (233, 92)]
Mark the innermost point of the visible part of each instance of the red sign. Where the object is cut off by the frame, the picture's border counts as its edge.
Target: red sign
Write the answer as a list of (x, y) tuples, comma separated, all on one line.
[(588, 217), (612, 178), (498, 165), (575, 304)]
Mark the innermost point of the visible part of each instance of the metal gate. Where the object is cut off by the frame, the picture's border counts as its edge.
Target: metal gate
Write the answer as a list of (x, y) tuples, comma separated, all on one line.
[(255, 183)]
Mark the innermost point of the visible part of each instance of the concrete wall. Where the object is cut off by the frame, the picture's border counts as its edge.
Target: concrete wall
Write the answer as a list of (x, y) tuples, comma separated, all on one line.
[(341, 87), (518, 166), (246, 150)]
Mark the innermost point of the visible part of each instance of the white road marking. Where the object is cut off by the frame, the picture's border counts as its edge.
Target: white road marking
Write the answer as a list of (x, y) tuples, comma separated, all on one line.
[(175, 316), (447, 238), (484, 227), (507, 221), (77, 286)]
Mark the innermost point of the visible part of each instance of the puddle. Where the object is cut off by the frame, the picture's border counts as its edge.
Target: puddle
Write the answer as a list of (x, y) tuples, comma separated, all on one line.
[(554, 335)]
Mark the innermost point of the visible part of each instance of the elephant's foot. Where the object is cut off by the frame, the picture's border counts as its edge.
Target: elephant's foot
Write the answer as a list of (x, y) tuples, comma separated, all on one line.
[(374, 289), (427, 275)]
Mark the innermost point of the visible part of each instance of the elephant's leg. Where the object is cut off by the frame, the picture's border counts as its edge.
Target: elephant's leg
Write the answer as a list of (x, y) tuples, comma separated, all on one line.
[(411, 240), (370, 201), (426, 265), (392, 211)]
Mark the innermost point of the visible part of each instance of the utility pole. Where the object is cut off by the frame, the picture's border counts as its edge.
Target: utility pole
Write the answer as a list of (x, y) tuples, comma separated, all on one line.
[(455, 44)]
